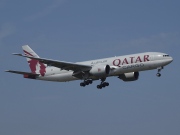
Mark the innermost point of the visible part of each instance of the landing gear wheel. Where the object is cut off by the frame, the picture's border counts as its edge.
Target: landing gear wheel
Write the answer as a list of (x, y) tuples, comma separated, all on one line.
[(90, 81), (82, 84), (86, 82), (158, 74), (99, 86), (103, 85), (106, 84)]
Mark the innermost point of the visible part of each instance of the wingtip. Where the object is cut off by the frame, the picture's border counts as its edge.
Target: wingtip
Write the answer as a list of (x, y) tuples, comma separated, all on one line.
[(25, 46), (7, 71)]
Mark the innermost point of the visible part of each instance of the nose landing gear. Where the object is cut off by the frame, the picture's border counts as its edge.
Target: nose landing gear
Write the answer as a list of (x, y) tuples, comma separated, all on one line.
[(159, 70)]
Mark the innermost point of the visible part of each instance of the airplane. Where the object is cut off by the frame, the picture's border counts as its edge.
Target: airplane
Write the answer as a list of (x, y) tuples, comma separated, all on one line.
[(126, 67)]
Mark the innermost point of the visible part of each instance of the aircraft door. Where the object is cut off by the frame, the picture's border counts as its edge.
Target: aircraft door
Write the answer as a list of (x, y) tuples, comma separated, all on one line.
[(152, 65), (151, 57)]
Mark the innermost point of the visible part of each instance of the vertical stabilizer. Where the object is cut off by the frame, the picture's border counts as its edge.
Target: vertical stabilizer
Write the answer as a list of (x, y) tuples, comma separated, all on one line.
[(35, 65)]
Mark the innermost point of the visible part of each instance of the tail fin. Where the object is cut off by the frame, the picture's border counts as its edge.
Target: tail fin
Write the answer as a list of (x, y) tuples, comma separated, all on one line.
[(29, 52), (36, 66)]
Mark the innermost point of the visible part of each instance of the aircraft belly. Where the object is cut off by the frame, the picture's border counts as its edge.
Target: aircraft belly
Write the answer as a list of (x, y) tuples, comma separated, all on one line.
[(59, 77)]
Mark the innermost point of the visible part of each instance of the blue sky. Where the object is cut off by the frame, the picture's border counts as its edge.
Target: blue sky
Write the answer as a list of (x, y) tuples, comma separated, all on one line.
[(80, 30)]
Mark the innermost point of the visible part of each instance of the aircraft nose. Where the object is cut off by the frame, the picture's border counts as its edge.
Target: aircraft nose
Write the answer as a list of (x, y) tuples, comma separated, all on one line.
[(170, 59)]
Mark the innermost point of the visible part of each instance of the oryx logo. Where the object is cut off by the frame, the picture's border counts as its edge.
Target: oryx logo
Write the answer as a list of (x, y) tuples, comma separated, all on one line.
[(35, 65)]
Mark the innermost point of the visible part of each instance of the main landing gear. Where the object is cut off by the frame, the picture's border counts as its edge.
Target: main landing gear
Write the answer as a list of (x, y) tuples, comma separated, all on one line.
[(86, 82), (103, 84), (159, 70), (100, 86)]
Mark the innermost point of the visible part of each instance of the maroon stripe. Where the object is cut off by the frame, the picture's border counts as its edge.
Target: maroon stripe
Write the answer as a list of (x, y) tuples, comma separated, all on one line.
[(27, 53)]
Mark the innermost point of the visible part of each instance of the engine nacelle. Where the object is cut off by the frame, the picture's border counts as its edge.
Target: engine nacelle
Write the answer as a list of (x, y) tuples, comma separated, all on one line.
[(133, 76), (100, 70)]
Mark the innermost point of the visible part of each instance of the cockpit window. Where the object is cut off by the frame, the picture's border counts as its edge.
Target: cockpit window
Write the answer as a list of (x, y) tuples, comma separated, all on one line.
[(165, 55)]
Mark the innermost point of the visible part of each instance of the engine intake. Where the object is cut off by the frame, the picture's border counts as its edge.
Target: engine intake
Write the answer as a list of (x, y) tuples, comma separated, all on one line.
[(133, 76), (100, 71)]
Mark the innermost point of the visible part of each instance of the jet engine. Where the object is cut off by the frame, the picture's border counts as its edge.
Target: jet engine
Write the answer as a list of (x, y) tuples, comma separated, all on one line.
[(100, 70), (132, 76)]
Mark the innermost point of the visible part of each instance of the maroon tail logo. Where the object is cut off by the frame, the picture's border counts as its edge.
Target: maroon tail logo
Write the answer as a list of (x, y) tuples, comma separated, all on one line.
[(34, 63)]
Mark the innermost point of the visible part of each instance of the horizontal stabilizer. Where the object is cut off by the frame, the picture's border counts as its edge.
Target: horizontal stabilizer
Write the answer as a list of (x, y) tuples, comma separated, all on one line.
[(17, 54), (20, 72), (25, 74)]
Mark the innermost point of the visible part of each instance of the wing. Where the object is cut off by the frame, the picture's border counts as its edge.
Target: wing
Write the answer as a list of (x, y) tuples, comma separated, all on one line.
[(61, 64)]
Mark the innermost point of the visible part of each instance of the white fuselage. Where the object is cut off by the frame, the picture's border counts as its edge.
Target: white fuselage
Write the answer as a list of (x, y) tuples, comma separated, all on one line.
[(119, 65)]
